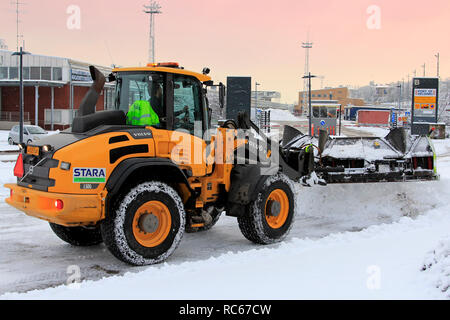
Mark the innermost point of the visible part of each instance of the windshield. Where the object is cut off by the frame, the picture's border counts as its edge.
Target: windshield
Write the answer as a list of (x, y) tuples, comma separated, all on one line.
[(147, 87), (36, 130)]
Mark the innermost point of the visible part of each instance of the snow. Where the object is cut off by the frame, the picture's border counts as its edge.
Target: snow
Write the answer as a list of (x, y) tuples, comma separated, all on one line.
[(282, 115), (381, 262), (437, 265), (364, 130), (355, 241)]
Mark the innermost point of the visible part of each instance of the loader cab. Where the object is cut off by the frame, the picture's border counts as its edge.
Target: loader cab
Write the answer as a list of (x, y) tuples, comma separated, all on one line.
[(177, 96)]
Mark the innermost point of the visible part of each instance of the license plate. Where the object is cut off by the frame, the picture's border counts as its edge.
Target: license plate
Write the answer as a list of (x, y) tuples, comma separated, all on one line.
[(33, 150)]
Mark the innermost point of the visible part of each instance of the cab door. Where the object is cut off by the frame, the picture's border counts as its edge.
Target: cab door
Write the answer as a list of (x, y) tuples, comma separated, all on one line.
[(189, 124)]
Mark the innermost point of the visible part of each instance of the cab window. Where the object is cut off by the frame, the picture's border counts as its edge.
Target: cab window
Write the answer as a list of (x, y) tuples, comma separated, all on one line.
[(188, 113), (141, 89)]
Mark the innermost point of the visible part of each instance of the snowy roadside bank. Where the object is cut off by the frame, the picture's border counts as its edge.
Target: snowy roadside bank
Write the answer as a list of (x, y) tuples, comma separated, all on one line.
[(381, 262)]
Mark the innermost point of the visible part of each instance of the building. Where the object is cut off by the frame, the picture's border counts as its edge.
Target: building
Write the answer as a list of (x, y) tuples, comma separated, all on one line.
[(341, 95), (53, 90), (268, 96), (351, 112), (325, 116), (3, 45)]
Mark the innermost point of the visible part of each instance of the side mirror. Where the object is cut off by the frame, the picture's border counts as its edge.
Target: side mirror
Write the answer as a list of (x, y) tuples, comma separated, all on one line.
[(222, 91), (111, 77)]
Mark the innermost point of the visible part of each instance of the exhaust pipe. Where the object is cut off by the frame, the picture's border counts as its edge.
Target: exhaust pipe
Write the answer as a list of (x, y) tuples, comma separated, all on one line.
[(87, 106)]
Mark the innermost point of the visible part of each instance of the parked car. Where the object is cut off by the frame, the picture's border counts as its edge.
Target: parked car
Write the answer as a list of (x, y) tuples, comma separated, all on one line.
[(30, 134)]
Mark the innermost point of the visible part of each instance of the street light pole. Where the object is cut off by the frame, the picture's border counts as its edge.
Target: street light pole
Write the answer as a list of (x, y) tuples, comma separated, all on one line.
[(309, 77), (256, 96), (21, 53), (437, 56)]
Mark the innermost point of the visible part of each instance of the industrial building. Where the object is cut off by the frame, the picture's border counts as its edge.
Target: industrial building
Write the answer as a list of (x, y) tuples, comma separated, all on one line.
[(341, 95), (53, 90)]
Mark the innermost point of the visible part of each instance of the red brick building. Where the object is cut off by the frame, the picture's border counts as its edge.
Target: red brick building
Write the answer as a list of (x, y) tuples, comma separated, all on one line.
[(53, 90)]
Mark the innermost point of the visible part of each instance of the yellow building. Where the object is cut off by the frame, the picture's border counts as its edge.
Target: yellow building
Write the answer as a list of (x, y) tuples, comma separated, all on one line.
[(339, 94)]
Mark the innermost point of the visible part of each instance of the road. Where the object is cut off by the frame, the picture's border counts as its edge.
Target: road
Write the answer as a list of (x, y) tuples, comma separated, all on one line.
[(32, 257), (302, 125)]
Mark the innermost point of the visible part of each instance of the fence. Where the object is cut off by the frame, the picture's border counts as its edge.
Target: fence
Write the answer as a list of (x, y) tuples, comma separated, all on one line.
[(14, 116), (263, 120)]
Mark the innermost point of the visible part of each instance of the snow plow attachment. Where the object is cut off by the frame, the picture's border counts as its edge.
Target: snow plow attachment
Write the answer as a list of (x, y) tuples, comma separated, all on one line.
[(396, 157)]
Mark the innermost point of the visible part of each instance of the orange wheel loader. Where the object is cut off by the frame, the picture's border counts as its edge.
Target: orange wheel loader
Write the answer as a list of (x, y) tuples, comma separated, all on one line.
[(138, 188)]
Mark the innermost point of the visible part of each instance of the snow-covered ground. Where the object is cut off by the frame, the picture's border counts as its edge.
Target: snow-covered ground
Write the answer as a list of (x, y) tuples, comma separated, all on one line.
[(371, 241), (282, 115)]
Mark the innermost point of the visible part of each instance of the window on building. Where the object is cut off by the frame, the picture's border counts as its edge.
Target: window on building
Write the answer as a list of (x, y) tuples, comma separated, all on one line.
[(57, 74), (316, 112), (46, 73), (3, 73), (13, 73), (35, 73), (57, 116), (26, 73)]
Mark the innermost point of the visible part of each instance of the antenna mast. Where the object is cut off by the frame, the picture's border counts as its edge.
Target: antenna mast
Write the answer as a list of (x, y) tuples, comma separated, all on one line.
[(306, 45), (152, 9)]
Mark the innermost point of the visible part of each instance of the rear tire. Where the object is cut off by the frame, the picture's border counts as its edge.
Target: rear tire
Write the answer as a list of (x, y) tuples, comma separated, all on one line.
[(271, 215), (78, 236), (10, 141), (146, 225)]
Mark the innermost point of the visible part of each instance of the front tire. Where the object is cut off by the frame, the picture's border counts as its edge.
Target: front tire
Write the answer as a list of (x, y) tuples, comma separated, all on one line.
[(78, 236), (146, 225), (270, 217)]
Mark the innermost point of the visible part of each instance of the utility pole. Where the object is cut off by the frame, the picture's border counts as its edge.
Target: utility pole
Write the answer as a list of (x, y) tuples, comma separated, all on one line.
[(21, 53), (424, 73), (399, 100), (307, 46), (256, 96), (152, 9), (309, 77), (437, 56)]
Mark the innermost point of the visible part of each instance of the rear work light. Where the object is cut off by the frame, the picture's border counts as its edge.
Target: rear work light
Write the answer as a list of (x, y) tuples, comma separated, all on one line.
[(18, 168), (59, 204)]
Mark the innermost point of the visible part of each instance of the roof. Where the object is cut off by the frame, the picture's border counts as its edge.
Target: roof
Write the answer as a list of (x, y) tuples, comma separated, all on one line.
[(32, 83), (199, 76)]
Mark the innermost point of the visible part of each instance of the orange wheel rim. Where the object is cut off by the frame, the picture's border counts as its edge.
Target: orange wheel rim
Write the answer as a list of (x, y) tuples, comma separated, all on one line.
[(277, 209), (151, 224)]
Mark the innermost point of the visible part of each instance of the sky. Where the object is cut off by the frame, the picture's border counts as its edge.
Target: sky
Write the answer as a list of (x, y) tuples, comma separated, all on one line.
[(355, 41)]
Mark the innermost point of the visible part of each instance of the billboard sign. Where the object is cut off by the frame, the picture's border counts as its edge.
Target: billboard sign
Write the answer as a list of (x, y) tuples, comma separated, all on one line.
[(239, 91), (424, 104), (81, 75)]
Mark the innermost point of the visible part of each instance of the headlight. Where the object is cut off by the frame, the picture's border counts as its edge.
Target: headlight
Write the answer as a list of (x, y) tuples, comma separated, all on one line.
[(47, 148)]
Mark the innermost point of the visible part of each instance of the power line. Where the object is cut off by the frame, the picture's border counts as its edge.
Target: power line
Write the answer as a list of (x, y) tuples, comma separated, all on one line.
[(152, 9)]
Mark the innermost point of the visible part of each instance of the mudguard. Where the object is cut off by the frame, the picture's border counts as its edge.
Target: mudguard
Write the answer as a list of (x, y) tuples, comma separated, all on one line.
[(246, 181)]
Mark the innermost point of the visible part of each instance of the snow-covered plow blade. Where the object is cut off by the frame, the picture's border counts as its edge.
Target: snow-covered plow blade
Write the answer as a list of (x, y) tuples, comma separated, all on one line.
[(396, 157)]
